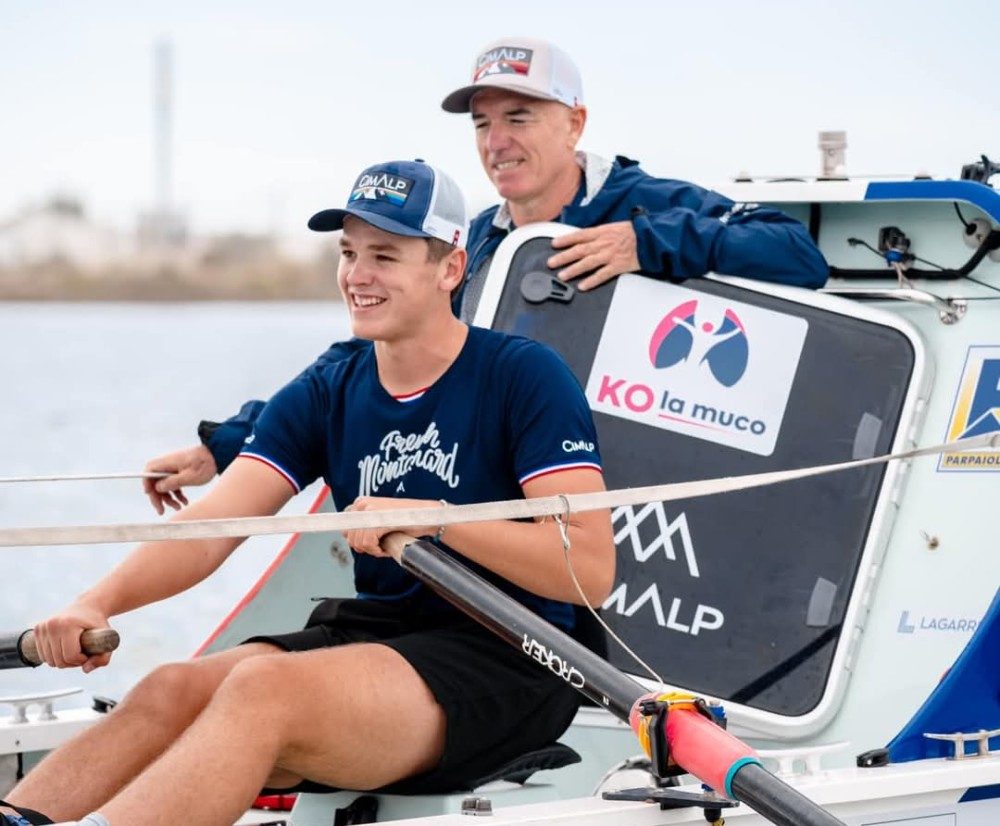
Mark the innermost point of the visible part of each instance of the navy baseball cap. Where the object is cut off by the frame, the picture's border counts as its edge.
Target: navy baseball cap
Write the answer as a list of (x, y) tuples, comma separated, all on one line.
[(409, 198)]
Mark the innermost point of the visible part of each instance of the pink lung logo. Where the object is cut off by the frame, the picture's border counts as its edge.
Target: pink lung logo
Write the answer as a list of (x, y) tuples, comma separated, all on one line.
[(724, 348)]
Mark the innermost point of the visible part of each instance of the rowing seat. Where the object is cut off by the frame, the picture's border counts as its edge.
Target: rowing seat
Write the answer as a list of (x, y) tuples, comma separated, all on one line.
[(316, 801)]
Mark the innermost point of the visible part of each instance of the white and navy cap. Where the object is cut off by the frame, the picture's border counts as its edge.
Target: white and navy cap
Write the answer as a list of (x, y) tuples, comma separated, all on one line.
[(409, 198), (531, 67)]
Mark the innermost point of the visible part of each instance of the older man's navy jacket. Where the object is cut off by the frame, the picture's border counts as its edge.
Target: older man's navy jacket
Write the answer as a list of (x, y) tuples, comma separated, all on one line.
[(682, 231)]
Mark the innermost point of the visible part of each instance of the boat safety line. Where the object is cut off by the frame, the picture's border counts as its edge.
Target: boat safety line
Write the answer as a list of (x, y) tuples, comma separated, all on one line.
[(448, 514), (81, 477)]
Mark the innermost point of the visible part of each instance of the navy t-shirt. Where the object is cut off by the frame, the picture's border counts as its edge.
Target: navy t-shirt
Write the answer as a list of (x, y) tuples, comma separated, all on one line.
[(507, 410)]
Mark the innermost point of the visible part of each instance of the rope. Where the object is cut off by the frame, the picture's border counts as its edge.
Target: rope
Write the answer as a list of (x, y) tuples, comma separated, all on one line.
[(451, 515)]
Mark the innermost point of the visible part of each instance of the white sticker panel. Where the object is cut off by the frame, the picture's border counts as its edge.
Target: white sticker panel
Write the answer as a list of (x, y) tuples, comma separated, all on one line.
[(696, 364)]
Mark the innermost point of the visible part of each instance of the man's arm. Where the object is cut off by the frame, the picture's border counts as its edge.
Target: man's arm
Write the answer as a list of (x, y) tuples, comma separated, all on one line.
[(221, 443), (745, 240), (529, 554), (157, 570), (679, 230)]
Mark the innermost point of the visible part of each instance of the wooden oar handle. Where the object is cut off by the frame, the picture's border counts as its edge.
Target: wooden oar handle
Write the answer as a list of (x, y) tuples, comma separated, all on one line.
[(94, 641)]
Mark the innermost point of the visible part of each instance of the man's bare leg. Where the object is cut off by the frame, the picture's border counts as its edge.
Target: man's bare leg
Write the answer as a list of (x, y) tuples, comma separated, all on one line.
[(84, 773), (317, 714)]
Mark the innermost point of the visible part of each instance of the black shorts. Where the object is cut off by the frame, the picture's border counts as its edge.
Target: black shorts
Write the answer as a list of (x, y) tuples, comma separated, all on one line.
[(498, 703)]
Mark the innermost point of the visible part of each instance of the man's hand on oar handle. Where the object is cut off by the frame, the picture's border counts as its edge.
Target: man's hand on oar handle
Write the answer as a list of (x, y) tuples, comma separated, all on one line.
[(97, 644), (190, 466), (394, 542), (367, 540), (76, 637)]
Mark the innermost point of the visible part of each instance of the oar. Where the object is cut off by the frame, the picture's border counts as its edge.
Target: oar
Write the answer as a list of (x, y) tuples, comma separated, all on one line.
[(19, 649), (697, 745)]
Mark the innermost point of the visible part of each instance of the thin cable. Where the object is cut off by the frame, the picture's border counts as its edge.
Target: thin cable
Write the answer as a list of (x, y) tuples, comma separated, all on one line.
[(640, 761), (925, 261), (563, 523), (82, 477), (961, 217), (982, 284), (854, 242), (901, 276)]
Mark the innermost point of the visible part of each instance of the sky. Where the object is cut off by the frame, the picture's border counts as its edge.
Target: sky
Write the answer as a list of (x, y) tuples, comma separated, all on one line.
[(278, 106)]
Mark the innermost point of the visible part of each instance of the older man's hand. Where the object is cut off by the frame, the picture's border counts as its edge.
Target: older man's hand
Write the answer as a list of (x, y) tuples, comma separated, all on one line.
[(190, 466), (604, 251)]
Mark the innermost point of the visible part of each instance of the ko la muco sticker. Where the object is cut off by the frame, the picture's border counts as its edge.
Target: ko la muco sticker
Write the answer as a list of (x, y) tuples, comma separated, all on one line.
[(697, 364)]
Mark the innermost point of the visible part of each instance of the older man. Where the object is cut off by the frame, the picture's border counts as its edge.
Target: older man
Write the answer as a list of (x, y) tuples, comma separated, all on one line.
[(526, 101)]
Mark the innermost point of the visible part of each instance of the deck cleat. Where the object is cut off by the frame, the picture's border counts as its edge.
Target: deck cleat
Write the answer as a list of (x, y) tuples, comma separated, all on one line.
[(959, 738)]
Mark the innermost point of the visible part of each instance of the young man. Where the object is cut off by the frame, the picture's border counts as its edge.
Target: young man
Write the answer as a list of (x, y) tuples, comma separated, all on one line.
[(434, 411), (526, 101)]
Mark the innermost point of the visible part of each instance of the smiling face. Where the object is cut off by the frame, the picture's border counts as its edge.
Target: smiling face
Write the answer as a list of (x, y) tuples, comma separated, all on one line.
[(528, 148), (392, 287)]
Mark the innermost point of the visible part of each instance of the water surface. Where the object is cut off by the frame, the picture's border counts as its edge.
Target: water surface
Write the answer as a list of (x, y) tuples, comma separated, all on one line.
[(102, 388)]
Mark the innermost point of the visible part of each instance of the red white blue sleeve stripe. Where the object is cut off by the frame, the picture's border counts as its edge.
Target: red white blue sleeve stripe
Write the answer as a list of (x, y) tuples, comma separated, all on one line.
[(274, 466), (545, 471)]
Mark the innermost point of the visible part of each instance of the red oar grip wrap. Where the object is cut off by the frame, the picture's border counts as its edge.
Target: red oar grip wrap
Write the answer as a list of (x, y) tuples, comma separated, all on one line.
[(697, 744)]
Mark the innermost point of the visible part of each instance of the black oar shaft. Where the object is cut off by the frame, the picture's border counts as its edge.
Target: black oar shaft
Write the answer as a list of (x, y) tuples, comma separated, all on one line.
[(10, 653), (777, 801), (584, 670), (522, 628)]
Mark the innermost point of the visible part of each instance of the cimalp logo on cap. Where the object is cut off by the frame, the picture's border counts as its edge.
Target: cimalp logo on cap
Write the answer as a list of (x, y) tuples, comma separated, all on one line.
[(382, 187), (503, 60), (723, 347)]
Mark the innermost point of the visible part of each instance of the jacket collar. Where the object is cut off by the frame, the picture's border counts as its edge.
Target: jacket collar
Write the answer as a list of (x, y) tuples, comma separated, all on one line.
[(595, 172)]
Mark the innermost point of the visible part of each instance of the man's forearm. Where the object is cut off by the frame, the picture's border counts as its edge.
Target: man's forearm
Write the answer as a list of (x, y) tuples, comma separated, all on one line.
[(761, 244), (157, 570), (530, 554), (778, 251)]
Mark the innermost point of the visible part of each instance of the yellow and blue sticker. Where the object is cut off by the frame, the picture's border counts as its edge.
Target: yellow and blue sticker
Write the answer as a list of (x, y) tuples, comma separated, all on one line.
[(976, 411)]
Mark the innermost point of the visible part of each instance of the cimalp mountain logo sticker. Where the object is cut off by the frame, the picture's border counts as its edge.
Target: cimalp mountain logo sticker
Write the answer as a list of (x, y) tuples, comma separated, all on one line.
[(504, 60), (649, 598), (976, 411), (660, 536), (382, 187), (723, 348), (696, 364)]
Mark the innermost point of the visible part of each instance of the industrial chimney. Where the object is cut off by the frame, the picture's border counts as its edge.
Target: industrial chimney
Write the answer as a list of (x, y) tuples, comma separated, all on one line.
[(162, 226)]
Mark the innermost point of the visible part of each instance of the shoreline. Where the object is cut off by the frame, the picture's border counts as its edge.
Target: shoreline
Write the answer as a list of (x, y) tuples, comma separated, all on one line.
[(265, 281)]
